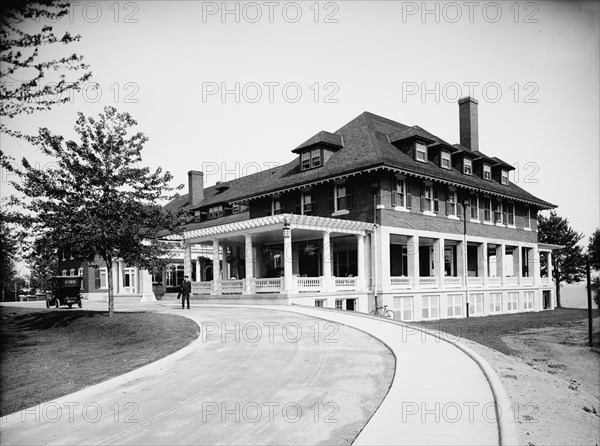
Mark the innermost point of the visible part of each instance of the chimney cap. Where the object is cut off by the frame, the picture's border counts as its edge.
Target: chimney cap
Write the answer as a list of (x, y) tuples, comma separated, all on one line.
[(467, 99), (195, 172)]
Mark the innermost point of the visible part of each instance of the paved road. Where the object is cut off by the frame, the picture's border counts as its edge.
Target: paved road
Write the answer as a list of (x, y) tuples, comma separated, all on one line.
[(253, 377)]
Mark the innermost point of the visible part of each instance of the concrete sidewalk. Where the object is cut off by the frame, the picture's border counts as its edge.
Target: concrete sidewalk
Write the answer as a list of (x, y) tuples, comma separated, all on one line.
[(439, 394)]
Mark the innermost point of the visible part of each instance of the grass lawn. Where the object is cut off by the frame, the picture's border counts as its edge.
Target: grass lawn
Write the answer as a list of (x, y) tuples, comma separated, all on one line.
[(489, 330), (47, 354)]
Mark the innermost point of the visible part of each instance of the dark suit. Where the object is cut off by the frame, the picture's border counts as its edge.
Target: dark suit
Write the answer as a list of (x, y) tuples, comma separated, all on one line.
[(186, 290)]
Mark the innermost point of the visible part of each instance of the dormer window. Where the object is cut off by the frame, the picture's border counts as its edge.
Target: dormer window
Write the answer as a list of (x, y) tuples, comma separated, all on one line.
[(311, 158), (467, 166), (421, 152), (197, 216), (504, 177), (276, 207), (215, 212), (236, 208), (487, 171), (445, 159)]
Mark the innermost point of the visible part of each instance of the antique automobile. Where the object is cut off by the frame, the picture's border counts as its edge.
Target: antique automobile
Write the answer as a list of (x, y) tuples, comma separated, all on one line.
[(65, 290)]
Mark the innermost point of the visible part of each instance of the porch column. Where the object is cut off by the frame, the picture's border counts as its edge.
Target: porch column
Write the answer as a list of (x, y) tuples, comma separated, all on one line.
[(145, 281), (517, 264), (460, 262), (412, 251), (482, 263), (535, 265), (119, 277), (327, 276), (360, 253), (288, 278), (438, 261), (216, 268), (198, 271), (549, 267), (500, 255), (249, 288), (187, 260), (225, 263)]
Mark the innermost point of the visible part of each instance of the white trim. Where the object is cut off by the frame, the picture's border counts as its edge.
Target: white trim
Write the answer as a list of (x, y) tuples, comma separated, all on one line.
[(401, 209), (340, 212), (381, 206), (453, 217), (430, 213)]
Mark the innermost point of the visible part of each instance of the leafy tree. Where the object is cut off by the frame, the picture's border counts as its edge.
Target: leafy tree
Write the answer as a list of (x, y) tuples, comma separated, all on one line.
[(26, 82), (569, 262), (594, 249), (99, 201), (43, 262), (8, 254)]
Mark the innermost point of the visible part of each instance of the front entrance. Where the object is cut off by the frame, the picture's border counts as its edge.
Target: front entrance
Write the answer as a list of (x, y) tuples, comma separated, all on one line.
[(546, 297), (351, 304), (129, 280)]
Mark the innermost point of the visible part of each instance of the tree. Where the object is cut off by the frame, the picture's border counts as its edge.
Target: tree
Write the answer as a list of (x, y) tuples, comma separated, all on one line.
[(594, 255), (26, 82), (98, 201), (8, 254), (43, 262), (569, 262)]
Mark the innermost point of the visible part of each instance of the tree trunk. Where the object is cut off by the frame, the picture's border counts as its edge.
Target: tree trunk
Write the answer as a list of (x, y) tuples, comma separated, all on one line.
[(111, 302), (556, 273)]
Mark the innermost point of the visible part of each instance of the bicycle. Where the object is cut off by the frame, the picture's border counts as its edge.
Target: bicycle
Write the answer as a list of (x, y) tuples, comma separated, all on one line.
[(383, 312)]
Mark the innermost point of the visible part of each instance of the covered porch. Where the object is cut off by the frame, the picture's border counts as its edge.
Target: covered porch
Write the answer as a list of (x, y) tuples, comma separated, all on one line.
[(285, 254)]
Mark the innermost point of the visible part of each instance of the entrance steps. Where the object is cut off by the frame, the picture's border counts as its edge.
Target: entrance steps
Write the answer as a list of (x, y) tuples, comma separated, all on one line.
[(241, 299)]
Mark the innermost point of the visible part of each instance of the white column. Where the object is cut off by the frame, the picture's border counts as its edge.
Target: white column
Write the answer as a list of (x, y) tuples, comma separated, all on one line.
[(438, 261), (535, 266), (216, 268), (549, 267), (249, 259), (500, 256), (460, 261), (385, 280), (288, 278), (225, 271), (120, 271), (136, 283), (187, 259), (145, 281), (327, 276), (198, 271), (482, 262), (413, 260), (360, 254), (517, 264)]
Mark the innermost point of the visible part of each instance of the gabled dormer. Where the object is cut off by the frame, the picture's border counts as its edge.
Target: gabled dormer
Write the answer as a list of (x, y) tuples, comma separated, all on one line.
[(412, 141), (463, 160), (500, 170), (316, 151)]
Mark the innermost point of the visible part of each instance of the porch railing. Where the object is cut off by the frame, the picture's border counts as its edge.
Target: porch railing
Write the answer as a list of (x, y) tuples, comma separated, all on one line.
[(232, 286), (428, 282), (511, 281), (526, 281), (475, 282), (401, 282), (545, 281), (452, 282), (201, 287), (308, 283), (270, 285), (345, 283), (494, 281)]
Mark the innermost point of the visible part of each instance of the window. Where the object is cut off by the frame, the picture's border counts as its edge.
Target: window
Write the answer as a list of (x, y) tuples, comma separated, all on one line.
[(339, 304), (498, 212), (527, 217), (421, 152), (504, 176), (510, 214), (72, 272), (215, 211), (311, 158), (197, 216), (454, 305), (315, 157), (528, 300), (474, 207), (476, 305), (100, 278), (427, 199), (467, 166), (399, 195), (436, 200), (343, 197), (404, 306), (512, 302), (445, 160), (487, 209), (307, 203), (495, 303), (276, 206), (319, 303), (487, 171), (451, 203), (430, 307), (64, 272), (305, 160), (236, 208)]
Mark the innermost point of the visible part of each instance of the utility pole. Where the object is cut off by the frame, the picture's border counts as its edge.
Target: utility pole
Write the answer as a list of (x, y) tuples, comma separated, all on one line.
[(589, 298)]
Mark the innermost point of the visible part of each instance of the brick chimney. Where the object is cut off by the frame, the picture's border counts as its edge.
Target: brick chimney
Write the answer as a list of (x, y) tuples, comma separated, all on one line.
[(195, 187), (468, 121)]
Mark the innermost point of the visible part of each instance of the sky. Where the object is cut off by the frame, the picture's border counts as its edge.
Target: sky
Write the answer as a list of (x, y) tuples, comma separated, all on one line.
[(229, 88)]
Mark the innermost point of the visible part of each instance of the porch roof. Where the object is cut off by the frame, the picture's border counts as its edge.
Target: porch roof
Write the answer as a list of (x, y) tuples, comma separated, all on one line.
[(306, 222)]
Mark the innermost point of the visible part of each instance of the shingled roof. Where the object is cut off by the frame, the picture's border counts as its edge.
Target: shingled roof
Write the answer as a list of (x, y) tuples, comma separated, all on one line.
[(366, 146)]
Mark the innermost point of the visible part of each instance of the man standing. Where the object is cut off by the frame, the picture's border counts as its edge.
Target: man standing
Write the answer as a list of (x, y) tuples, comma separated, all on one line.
[(186, 290)]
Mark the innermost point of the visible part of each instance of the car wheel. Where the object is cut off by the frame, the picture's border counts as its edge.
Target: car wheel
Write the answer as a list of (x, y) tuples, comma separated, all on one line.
[(57, 303), (79, 303), (47, 303), (70, 305)]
